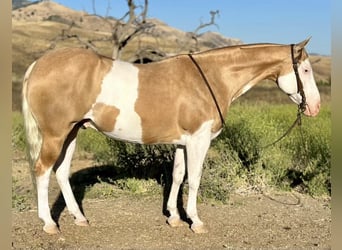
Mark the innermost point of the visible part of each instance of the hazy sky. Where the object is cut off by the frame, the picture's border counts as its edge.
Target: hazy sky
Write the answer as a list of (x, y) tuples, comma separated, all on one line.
[(252, 21)]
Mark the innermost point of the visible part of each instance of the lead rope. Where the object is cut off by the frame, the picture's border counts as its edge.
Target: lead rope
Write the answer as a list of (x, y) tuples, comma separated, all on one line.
[(209, 88), (298, 122)]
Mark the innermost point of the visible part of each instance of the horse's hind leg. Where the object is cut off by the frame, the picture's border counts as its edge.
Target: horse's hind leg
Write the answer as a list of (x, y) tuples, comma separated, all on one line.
[(62, 175), (56, 153), (50, 150)]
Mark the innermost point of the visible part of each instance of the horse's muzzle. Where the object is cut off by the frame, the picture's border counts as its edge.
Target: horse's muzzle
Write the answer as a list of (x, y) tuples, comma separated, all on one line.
[(312, 109)]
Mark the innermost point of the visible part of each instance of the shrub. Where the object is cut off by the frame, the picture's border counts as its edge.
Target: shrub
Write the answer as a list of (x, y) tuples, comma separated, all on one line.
[(18, 134), (238, 158), (311, 154), (136, 160), (93, 142)]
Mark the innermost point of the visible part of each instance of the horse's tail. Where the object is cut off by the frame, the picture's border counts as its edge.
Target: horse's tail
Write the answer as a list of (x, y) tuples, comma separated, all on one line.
[(33, 134)]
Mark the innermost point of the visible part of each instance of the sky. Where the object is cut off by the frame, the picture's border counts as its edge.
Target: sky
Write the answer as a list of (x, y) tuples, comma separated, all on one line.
[(252, 21)]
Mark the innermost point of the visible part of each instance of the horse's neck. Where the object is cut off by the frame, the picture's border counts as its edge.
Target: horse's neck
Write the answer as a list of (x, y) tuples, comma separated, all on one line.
[(233, 71)]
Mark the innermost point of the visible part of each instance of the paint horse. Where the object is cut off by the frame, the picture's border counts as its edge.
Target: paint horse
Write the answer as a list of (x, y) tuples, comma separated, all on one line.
[(162, 102)]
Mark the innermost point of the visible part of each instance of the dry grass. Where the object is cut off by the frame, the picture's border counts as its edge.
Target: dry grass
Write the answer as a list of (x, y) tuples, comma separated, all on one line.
[(322, 67)]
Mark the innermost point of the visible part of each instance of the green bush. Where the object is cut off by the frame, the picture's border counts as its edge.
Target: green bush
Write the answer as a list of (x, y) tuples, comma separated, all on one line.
[(311, 154), (303, 158), (138, 161), (18, 133), (93, 142)]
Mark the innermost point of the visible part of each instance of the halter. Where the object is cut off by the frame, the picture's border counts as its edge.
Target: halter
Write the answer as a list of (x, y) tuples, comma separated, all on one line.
[(300, 88)]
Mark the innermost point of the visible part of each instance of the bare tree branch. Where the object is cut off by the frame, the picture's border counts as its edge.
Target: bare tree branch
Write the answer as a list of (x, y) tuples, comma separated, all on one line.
[(65, 34), (144, 13), (193, 36), (108, 9), (212, 22), (131, 6), (94, 7), (124, 32)]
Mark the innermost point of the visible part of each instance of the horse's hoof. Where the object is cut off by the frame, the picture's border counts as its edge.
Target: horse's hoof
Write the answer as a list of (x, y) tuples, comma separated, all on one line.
[(82, 223), (174, 222), (51, 229), (199, 229)]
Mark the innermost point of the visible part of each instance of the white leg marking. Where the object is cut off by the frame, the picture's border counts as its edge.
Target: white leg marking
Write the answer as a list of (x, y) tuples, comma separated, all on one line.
[(196, 146), (43, 202), (62, 175), (177, 179), (120, 89)]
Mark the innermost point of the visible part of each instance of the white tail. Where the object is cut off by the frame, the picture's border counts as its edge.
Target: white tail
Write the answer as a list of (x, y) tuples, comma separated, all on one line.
[(33, 135)]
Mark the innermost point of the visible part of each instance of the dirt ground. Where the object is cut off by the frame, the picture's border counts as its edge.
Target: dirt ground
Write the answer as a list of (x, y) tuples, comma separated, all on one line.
[(269, 220)]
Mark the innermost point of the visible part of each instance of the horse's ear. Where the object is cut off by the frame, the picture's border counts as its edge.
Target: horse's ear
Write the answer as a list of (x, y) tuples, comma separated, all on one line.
[(301, 45)]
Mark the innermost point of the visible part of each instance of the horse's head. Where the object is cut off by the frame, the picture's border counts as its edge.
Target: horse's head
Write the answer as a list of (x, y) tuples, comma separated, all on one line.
[(304, 82)]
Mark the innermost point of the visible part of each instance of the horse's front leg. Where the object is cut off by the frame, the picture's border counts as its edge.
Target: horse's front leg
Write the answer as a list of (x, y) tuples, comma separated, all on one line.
[(177, 179), (196, 148)]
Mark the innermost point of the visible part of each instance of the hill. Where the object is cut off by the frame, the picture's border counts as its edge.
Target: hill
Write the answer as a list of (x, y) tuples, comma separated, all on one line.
[(39, 27)]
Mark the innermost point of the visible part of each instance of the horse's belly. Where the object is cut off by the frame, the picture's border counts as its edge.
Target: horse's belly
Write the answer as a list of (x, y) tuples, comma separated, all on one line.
[(127, 128)]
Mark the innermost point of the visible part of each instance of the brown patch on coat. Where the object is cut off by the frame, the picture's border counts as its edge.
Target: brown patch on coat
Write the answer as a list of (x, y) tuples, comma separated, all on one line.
[(105, 116), (172, 100), (61, 89), (50, 151)]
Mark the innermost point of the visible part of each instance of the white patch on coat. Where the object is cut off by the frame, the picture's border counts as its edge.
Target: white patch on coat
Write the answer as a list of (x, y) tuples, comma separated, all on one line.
[(288, 83), (246, 88), (120, 89)]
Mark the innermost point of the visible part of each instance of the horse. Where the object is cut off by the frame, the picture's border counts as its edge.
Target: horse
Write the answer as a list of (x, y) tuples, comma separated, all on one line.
[(181, 100)]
